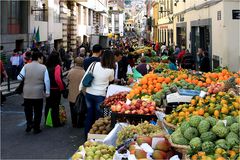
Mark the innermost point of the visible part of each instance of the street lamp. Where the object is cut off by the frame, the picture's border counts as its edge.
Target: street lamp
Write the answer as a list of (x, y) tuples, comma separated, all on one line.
[(33, 9)]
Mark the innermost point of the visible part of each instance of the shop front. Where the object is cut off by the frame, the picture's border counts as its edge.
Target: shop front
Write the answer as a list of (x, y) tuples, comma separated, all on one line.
[(181, 35), (201, 36)]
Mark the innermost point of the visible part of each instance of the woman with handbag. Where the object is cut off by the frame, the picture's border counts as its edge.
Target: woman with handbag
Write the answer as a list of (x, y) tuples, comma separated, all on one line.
[(74, 77), (34, 76), (56, 87), (103, 73)]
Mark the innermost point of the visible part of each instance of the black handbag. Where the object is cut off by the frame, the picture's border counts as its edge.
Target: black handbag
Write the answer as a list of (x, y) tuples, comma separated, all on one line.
[(87, 80), (19, 89), (80, 106), (65, 91)]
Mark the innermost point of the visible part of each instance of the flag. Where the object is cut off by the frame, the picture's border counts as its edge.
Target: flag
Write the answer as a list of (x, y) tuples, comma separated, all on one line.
[(34, 34), (37, 35), (33, 38)]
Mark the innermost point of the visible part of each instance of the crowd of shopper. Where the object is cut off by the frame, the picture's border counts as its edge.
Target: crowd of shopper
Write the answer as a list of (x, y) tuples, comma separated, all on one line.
[(43, 77)]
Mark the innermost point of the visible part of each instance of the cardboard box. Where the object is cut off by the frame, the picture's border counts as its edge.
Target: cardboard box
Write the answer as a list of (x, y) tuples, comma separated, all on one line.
[(96, 136)]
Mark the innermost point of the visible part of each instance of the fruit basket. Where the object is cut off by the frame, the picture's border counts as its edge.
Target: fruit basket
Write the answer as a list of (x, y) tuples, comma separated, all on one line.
[(169, 125), (180, 148), (130, 118)]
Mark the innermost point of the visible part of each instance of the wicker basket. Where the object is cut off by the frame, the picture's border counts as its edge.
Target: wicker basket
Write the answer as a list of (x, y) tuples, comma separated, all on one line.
[(169, 125), (180, 148)]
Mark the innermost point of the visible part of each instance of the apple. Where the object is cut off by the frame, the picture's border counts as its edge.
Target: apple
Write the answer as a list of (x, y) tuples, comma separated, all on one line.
[(151, 108), (118, 107), (113, 108), (133, 111), (144, 103), (133, 107), (127, 112)]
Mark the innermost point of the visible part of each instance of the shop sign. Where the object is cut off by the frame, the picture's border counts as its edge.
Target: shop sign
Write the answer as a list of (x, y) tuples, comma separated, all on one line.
[(235, 14)]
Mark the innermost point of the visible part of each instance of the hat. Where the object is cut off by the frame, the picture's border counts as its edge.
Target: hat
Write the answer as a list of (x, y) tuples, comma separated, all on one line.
[(78, 61)]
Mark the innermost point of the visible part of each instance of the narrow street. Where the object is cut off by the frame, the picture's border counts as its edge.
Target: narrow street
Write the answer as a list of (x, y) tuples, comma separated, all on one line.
[(51, 143)]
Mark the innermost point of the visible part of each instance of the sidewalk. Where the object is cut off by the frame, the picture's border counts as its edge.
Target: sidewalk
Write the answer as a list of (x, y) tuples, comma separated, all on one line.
[(14, 84)]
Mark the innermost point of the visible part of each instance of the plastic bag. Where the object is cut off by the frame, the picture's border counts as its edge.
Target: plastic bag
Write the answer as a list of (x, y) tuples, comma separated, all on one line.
[(49, 118), (112, 136), (136, 74), (62, 114)]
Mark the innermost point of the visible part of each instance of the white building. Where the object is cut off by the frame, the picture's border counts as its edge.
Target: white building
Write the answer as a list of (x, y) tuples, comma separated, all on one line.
[(116, 16), (213, 25)]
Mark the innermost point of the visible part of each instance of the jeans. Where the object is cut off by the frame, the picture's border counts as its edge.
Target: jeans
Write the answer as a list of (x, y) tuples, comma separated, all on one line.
[(36, 106), (93, 110)]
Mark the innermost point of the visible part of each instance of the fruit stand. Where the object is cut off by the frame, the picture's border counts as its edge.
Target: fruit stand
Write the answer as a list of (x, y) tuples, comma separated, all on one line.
[(203, 125)]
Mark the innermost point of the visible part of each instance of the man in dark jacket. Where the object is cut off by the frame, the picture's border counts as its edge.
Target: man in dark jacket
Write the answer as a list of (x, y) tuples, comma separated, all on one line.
[(188, 61), (205, 63)]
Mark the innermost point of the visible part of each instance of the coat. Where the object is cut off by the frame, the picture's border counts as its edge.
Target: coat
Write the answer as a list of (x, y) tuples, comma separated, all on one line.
[(74, 77)]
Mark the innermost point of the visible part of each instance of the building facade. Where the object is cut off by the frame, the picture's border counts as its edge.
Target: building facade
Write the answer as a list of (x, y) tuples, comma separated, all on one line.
[(60, 22), (116, 16), (155, 10), (165, 22), (211, 25)]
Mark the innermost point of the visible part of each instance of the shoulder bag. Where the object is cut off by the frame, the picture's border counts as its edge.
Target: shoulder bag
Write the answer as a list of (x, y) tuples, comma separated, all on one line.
[(87, 80)]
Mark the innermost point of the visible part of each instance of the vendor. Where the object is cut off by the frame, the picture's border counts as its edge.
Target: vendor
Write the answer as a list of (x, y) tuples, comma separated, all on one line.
[(117, 73), (143, 68), (172, 63), (149, 53)]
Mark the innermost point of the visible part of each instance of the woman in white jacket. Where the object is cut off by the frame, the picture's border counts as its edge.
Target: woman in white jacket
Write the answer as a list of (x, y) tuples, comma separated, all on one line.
[(103, 73)]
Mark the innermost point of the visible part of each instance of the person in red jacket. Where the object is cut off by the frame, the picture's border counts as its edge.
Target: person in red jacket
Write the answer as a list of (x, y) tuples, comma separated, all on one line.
[(4, 76), (56, 87)]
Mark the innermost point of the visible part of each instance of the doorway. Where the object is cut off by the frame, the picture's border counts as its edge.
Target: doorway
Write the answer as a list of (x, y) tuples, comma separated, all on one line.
[(19, 44)]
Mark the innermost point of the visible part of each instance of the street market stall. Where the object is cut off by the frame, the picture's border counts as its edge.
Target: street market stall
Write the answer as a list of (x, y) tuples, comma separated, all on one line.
[(169, 114)]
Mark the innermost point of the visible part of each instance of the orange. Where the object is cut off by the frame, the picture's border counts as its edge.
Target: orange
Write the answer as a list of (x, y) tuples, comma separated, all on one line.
[(149, 91), (144, 86), (160, 79), (150, 87), (154, 81), (156, 90), (216, 113), (201, 112), (220, 158), (167, 80), (144, 91), (193, 102), (184, 76), (158, 86), (172, 77), (181, 114), (200, 83), (143, 81), (208, 81)]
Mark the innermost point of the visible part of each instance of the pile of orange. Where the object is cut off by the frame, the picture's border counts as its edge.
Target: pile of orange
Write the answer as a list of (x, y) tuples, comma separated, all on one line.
[(213, 78), (150, 84)]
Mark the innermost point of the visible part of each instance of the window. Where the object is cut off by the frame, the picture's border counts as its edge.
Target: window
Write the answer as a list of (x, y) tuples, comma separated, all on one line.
[(40, 15), (13, 12), (219, 15), (13, 17), (84, 15), (56, 11), (89, 17)]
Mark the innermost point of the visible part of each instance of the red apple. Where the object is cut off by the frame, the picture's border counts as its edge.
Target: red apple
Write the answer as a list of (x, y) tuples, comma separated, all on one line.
[(118, 107)]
